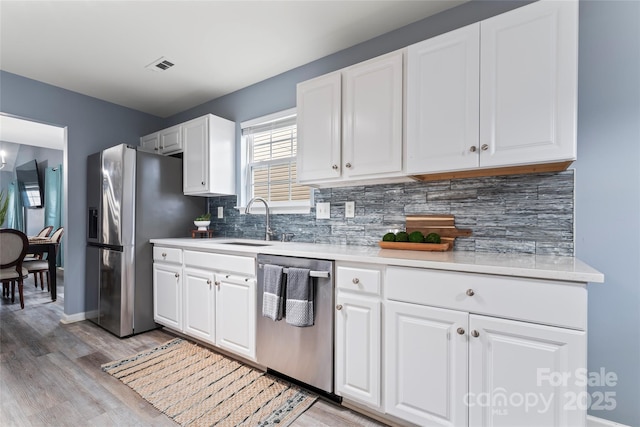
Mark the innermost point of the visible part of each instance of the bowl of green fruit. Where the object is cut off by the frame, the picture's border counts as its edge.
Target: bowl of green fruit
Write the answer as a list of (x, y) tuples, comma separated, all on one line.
[(414, 241)]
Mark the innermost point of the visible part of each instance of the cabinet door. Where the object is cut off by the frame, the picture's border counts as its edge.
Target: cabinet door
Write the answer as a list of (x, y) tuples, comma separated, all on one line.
[(199, 304), (167, 295), (372, 139), (358, 332), (236, 314), (514, 374), (196, 156), (170, 140), (528, 86), (150, 143), (319, 128), (426, 364), (442, 102)]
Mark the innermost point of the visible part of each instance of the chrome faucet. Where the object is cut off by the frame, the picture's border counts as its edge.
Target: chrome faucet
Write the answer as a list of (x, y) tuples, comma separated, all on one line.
[(247, 210)]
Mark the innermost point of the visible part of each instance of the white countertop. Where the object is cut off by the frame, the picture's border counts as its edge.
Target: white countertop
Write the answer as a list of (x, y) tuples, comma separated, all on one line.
[(521, 265)]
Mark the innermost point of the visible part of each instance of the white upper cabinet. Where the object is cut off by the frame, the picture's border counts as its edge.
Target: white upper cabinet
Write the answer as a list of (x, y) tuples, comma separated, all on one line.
[(350, 123), (150, 142), (319, 115), (522, 112), (170, 140), (209, 156), (372, 132), (528, 86), (442, 102)]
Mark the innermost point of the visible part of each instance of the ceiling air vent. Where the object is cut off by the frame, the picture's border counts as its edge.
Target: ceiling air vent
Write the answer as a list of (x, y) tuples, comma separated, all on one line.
[(160, 64)]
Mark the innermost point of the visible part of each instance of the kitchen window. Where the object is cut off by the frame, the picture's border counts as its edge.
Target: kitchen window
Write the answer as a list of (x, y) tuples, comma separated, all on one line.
[(269, 169)]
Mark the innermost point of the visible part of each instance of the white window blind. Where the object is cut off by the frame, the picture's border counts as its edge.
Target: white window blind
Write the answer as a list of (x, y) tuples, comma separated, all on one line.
[(271, 162)]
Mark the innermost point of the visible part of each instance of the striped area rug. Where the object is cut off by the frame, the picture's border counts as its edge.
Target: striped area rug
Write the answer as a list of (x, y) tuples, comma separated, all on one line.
[(198, 387)]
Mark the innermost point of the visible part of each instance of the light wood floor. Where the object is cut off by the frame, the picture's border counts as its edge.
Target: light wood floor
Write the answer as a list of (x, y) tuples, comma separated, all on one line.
[(50, 373)]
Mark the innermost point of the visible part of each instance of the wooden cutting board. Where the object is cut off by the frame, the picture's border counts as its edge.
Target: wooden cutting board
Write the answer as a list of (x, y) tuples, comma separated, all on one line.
[(444, 225)]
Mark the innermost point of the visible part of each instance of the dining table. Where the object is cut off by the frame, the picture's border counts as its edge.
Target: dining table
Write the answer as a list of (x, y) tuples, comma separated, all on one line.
[(43, 245)]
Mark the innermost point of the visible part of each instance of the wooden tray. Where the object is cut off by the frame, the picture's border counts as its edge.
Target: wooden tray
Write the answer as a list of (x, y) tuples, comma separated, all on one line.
[(408, 246)]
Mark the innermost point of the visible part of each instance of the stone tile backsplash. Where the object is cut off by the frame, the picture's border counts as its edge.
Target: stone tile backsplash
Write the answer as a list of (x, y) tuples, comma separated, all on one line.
[(530, 214)]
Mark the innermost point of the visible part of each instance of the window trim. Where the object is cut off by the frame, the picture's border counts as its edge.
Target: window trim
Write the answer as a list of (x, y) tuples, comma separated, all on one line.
[(289, 207)]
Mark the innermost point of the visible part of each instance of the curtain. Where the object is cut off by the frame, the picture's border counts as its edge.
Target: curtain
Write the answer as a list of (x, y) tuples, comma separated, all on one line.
[(15, 213), (53, 201)]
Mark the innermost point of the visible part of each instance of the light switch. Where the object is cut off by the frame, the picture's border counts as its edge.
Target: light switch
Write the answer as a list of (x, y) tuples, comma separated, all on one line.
[(349, 209), (323, 210), (220, 212)]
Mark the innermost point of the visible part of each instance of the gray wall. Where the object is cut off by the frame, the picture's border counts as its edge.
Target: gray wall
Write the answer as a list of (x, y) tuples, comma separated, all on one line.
[(607, 181), (92, 125), (608, 193)]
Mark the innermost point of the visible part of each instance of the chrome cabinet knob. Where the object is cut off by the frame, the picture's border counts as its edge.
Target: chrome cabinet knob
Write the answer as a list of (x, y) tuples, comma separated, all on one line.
[(473, 148), (475, 333), (177, 275), (470, 292), (348, 165), (339, 307), (202, 183), (334, 167), (217, 283), (164, 254), (355, 280), (460, 331), (484, 147), (209, 282)]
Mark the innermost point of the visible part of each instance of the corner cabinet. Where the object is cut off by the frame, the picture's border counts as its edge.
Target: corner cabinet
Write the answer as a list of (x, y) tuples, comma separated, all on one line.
[(350, 125), (498, 93), (209, 156)]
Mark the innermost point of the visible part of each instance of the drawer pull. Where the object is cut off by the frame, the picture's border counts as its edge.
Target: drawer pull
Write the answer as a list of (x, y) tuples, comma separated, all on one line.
[(339, 307), (348, 165), (460, 331), (355, 280), (475, 333), (473, 148), (334, 167), (470, 292), (164, 254)]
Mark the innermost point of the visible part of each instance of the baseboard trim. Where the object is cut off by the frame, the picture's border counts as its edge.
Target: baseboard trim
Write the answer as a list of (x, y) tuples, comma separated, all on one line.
[(601, 422), (72, 318)]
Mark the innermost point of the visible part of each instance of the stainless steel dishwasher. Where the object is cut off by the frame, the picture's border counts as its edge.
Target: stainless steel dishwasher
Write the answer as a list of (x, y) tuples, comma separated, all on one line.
[(301, 353)]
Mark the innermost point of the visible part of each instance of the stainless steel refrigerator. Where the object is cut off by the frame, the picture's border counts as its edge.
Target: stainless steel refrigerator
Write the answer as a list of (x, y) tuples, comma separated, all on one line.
[(132, 196)]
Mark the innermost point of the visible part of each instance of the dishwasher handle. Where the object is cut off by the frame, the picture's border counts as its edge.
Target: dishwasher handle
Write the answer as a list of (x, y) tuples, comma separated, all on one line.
[(312, 273)]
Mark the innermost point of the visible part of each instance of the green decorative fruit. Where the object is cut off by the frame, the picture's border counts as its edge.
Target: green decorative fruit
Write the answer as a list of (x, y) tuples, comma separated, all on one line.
[(416, 237), (402, 237), (432, 238), (389, 237)]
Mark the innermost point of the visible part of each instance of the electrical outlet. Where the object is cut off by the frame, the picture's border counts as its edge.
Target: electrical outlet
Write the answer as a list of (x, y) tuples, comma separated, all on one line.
[(323, 210), (349, 209), (220, 212)]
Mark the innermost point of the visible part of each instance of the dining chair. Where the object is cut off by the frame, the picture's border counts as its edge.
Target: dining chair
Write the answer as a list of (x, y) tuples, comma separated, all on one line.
[(45, 231), (13, 248), (40, 266), (41, 234)]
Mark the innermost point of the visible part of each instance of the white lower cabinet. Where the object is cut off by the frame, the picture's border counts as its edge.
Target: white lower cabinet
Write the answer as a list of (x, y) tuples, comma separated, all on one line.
[(208, 296), (199, 304), (236, 314), (167, 294), (358, 334), (426, 364), (449, 366)]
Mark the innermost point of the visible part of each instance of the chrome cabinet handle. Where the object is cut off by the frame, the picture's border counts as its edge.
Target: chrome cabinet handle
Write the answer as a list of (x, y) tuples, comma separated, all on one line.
[(339, 307), (475, 333), (334, 167), (355, 280), (470, 292), (348, 165), (156, 148), (484, 147), (217, 283), (202, 183), (177, 275), (209, 282), (460, 331), (473, 148)]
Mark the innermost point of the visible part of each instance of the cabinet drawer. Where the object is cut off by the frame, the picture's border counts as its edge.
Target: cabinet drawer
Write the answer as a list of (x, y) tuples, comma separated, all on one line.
[(221, 262), (360, 279), (173, 255), (540, 301)]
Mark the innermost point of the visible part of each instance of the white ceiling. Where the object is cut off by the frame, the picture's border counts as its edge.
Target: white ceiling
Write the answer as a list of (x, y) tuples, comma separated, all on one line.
[(101, 48), (15, 132)]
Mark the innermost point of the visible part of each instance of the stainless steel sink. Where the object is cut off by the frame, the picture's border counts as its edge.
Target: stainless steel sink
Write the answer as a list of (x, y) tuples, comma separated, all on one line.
[(245, 243)]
